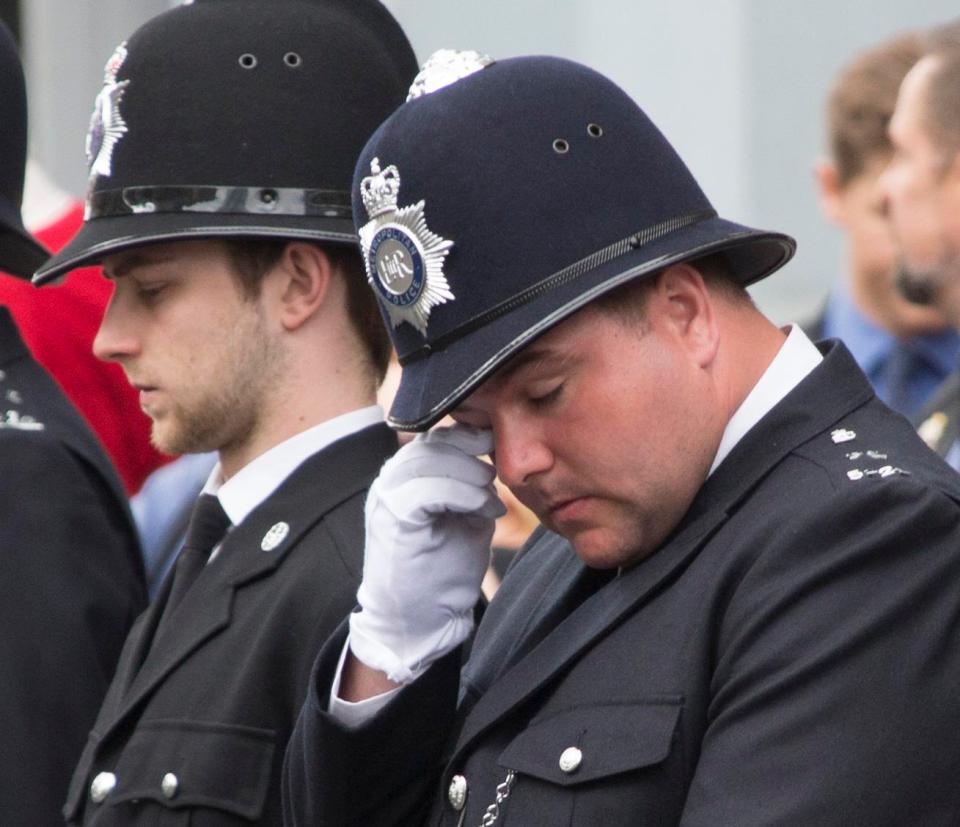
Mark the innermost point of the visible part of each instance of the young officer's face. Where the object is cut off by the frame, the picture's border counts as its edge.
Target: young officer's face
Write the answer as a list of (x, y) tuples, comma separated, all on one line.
[(196, 347), (595, 430)]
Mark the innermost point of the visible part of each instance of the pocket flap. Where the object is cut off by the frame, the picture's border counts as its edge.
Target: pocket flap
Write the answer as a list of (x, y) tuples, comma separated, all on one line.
[(589, 742), (197, 764)]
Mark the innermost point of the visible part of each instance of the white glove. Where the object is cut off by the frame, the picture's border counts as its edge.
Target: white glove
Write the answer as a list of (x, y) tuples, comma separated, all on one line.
[(429, 521)]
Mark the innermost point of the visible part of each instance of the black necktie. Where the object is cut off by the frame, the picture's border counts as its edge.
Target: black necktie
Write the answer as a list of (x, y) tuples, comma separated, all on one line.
[(208, 523), (902, 367)]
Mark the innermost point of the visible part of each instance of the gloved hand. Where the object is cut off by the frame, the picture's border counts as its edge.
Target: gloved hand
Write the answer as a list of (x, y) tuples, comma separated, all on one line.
[(429, 521)]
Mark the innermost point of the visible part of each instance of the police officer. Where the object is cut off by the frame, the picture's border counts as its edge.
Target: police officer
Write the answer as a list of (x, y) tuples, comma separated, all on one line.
[(72, 581), (221, 151), (741, 606)]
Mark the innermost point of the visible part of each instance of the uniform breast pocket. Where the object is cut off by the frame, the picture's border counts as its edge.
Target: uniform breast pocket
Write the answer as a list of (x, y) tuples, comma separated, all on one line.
[(610, 765), (181, 765)]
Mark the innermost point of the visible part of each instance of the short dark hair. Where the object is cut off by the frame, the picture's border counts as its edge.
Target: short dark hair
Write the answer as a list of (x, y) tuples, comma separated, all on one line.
[(861, 103), (253, 258), (628, 302), (942, 109)]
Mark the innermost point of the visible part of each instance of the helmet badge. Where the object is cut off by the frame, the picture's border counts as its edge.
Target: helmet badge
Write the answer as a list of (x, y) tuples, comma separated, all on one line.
[(107, 126), (404, 259)]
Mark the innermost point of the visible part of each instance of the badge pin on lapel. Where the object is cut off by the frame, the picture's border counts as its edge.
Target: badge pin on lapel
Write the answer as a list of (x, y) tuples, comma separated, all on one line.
[(275, 536)]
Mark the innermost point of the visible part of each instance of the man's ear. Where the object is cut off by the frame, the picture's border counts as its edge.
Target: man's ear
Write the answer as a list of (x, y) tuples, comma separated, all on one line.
[(304, 274), (686, 306), (828, 190)]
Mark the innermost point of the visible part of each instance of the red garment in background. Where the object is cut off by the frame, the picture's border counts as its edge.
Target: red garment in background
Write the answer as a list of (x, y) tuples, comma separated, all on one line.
[(58, 323)]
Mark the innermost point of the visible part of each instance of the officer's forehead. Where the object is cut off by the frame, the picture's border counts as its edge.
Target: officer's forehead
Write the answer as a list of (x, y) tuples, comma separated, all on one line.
[(122, 263)]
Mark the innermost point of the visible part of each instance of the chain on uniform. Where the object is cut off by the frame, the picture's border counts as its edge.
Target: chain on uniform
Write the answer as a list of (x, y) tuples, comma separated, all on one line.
[(503, 793)]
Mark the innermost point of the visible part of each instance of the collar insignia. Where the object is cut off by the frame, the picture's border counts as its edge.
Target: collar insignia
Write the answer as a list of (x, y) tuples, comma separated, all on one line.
[(404, 259), (107, 126)]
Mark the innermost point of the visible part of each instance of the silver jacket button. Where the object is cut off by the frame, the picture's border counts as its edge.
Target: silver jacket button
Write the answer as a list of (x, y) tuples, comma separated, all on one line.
[(102, 786), (570, 759), (457, 792), (169, 785)]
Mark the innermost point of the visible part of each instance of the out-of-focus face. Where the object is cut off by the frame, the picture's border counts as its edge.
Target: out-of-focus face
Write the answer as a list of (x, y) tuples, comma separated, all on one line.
[(598, 430), (923, 196), (859, 208), (196, 347)]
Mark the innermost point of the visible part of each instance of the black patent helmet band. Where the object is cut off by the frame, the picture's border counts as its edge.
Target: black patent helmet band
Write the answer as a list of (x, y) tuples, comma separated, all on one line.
[(224, 200), (558, 279)]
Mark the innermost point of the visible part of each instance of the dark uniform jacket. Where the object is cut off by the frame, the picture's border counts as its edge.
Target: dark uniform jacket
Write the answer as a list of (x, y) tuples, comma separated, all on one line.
[(193, 729), (939, 422), (790, 656), (71, 585)]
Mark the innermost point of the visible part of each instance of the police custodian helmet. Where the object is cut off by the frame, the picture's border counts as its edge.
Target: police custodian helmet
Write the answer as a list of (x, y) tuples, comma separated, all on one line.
[(502, 197), (20, 254), (237, 118)]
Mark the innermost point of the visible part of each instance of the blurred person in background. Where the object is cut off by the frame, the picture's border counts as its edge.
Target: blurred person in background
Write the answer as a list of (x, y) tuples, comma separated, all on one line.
[(905, 350), (221, 154), (162, 509), (71, 582), (922, 188)]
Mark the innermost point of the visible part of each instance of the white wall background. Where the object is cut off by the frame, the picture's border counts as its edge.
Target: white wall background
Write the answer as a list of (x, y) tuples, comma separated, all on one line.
[(737, 85)]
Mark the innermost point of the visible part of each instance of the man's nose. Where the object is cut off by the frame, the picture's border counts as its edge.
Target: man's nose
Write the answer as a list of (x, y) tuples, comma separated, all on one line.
[(520, 453), (116, 336)]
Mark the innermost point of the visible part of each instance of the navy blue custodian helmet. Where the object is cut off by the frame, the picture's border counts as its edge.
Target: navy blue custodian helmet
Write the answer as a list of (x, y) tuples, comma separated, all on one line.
[(492, 206), (238, 118), (20, 254)]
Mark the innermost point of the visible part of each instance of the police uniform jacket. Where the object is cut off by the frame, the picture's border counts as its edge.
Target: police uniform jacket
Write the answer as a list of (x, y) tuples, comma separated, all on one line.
[(789, 656), (193, 733), (72, 584)]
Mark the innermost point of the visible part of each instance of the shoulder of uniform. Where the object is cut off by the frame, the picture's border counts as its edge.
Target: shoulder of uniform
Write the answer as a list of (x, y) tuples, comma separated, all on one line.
[(862, 448), (16, 412)]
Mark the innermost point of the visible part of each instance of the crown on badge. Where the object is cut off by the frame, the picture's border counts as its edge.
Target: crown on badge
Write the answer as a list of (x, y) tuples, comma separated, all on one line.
[(380, 190), (113, 64)]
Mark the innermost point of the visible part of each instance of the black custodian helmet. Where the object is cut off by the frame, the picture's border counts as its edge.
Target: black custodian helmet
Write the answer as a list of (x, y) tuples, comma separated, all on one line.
[(503, 197), (238, 118), (20, 254)]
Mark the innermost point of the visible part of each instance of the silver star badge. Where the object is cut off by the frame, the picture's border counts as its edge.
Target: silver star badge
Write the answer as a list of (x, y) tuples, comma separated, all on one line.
[(404, 259), (107, 126)]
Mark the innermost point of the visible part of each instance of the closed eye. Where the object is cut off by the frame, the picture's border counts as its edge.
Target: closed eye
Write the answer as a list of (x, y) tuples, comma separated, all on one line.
[(548, 398), (150, 292)]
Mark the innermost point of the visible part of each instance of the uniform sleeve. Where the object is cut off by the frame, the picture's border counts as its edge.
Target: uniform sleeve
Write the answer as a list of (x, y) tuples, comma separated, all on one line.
[(379, 774), (837, 669), (70, 589)]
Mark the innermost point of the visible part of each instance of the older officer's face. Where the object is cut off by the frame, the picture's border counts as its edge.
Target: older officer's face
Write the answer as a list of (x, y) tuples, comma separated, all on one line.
[(600, 428), (923, 194), (196, 347)]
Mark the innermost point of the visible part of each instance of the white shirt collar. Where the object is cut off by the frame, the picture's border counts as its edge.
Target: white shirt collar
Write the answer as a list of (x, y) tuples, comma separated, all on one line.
[(795, 359), (260, 477)]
